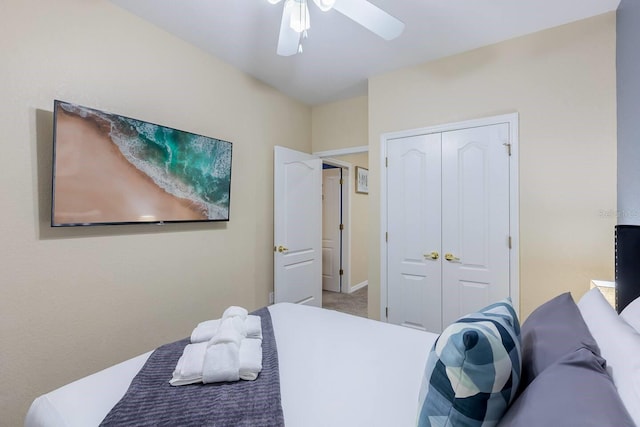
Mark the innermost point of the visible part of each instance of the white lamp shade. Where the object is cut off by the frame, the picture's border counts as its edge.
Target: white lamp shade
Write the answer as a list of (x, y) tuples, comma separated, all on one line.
[(324, 5), (300, 20), (274, 1)]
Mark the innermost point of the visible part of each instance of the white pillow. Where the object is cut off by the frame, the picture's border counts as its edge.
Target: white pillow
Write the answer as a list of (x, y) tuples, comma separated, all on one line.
[(619, 344), (631, 314)]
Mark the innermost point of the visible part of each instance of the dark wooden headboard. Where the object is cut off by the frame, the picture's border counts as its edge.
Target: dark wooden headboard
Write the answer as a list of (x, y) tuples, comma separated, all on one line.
[(627, 265)]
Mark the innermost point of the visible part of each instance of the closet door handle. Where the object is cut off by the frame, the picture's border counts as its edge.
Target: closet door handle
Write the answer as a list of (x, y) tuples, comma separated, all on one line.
[(451, 257), (432, 255)]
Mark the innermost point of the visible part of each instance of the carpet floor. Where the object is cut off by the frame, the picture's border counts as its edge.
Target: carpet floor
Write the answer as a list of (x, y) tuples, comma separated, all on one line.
[(354, 303)]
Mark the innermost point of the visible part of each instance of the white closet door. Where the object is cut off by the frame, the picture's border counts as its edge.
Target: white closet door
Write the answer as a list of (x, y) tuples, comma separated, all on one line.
[(414, 232), (475, 219)]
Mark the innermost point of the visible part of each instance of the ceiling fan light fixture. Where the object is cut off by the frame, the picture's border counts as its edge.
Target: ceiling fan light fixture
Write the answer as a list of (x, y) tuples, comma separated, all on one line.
[(295, 21), (300, 20), (325, 5)]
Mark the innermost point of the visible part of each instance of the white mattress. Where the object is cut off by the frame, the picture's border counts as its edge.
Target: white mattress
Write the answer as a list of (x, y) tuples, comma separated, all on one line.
[(335, 369)]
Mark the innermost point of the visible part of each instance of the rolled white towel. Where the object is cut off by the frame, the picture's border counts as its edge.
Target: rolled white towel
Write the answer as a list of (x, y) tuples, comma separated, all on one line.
[(189, 367), (210, 323), (208, 329), (235, 311), (253, 326), (250, 358), (205, 331), (221, 363), (227, 333)]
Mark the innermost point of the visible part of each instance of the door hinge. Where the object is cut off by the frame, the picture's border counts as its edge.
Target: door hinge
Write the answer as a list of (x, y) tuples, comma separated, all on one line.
[(341, 227), (386, 312), (341, 272), (509, 242), (508, 145), (386, 236), (341, 181), (386, 162)]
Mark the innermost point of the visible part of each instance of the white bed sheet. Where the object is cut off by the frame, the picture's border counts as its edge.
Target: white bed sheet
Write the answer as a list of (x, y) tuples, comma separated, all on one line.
[(335, 369)]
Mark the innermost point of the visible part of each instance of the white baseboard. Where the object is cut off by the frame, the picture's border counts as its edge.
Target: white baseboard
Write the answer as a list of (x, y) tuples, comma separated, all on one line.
[(359, 286)]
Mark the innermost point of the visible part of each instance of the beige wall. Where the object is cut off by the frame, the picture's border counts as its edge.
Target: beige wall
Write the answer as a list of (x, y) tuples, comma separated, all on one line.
[(73, 301), (338, 125), (341, 124), (562, 83)]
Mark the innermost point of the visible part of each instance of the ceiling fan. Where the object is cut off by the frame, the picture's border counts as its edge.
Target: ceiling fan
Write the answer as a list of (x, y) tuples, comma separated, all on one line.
[(296, 22)]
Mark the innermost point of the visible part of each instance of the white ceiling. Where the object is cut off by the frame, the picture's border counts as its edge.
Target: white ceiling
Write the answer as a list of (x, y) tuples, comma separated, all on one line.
[(339, 54)]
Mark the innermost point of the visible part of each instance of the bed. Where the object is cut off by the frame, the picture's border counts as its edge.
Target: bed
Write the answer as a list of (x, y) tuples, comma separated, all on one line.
[(341, 370), (318, 385)]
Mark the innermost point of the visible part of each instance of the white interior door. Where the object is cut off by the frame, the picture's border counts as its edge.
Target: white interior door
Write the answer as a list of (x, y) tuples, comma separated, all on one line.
[(297, 231), (414, 232), (331, 242), (475, 219)]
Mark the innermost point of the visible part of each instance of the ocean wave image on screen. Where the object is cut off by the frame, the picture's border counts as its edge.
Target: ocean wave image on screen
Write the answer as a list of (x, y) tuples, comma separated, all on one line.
[(188, 166)]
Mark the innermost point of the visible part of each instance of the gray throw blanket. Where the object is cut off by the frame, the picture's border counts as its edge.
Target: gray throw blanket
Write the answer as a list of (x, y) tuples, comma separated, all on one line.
[(151, 401)]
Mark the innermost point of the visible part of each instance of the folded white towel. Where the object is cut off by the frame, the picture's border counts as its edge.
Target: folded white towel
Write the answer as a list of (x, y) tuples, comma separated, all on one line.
[(205, 331), (250, 359), (189, 367), (235, 311), (227, 333), (240, 325), (221, 363), (253, 326)]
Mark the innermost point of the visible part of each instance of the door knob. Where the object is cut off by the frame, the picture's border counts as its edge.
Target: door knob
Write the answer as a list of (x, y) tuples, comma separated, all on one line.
[(282, 249), (432, 255), (451, 257)]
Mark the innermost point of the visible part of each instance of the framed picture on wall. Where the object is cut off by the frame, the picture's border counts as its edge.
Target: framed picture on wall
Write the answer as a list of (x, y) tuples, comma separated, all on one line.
[(362, 180)]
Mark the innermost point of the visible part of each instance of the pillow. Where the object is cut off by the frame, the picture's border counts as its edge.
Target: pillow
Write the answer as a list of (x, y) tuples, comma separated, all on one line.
[(553, 330), (631, 314), (573, 392), (619, 345), (473, 370)]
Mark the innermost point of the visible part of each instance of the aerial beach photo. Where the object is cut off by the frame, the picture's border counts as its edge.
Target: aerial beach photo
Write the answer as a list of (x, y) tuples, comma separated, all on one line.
[(111, 169)]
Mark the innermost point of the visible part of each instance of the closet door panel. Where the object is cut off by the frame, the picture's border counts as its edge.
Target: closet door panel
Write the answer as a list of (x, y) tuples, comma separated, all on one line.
[(414, 232), (475, 219)]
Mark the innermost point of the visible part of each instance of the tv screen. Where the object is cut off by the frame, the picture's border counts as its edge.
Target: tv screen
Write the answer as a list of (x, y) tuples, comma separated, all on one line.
[(111, 169)]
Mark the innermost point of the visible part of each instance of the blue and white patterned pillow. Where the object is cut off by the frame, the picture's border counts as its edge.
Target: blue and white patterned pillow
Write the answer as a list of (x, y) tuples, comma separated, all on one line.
[(473, 370)]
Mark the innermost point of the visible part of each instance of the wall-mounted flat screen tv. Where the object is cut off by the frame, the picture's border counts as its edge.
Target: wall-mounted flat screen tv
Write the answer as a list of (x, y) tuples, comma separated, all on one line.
[(111, 169)]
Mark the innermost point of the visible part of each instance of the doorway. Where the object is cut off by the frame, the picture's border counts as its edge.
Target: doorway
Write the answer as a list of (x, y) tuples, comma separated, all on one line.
[(333, 227), (353, 298), (298, 226), (337, 193)]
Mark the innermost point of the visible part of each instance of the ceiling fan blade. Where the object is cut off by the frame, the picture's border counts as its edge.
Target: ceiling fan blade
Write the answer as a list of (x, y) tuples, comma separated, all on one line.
[(371, 17), (289, 39)]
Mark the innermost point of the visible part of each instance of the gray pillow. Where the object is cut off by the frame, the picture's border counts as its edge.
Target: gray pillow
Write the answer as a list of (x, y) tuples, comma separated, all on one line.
[(553, 330), (574, 392)]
